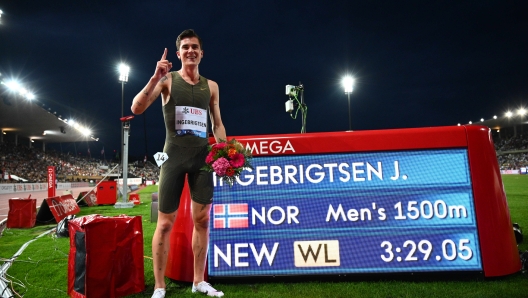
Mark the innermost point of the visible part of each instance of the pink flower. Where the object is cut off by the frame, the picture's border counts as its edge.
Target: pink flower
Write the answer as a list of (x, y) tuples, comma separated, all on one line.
[(219, 146), (237, 160), (220, 166), (210, 158)]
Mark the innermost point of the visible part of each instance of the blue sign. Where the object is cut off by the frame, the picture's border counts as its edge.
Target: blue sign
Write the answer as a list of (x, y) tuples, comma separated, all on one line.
[(406, 211)]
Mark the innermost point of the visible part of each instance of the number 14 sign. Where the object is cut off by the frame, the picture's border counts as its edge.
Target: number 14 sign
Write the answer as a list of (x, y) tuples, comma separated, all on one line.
[(160, 158)]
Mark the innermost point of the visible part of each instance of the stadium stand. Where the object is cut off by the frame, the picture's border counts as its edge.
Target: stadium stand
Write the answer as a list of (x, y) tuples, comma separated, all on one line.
[(512, 152), (30, 164)]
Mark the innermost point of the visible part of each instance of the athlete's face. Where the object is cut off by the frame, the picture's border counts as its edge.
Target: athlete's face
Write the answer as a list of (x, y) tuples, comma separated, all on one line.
[(190, 52)]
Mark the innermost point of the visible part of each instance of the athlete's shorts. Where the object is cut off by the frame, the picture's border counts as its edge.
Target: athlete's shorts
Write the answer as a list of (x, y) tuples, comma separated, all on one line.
[(181, 161)]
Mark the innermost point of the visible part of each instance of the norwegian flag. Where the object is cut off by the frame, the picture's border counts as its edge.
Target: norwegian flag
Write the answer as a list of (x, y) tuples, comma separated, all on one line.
[(230, 216)]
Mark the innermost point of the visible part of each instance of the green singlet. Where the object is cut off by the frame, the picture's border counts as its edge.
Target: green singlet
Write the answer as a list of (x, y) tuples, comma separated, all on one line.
[(186, 153)]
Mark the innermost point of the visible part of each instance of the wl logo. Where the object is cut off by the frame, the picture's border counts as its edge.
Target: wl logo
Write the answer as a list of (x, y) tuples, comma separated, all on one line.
[(316, 253)]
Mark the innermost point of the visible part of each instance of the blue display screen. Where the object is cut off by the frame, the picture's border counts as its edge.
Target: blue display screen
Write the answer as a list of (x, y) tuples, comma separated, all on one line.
[(406, 211)]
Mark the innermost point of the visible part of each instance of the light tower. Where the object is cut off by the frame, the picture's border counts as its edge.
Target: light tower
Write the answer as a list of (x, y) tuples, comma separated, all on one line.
[(348, 85)]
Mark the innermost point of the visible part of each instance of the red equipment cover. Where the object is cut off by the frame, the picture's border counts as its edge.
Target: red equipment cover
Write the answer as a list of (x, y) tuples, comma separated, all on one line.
[(106, 256), (107, 193), (22, 213)]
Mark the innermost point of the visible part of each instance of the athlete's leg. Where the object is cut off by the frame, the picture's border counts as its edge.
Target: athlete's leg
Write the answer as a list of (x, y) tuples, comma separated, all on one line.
[(161, 246), (200, 238)]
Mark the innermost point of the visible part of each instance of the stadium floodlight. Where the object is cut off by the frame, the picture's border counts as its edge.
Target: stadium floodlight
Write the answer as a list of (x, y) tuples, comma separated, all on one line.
[(470, 122), (348, 85), (509, 114), (123, 72), (85, 131), (521, 113), (494, 116), (13, 85), (23, 91), (16, 87), (481, 119), (123, 78), (458, 124)]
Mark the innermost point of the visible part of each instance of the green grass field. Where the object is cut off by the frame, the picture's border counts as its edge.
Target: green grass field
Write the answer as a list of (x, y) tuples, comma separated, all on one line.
[(41, 270)]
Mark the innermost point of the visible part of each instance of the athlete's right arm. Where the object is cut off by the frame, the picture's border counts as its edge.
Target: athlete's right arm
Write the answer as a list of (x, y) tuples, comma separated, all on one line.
[(155, 86)]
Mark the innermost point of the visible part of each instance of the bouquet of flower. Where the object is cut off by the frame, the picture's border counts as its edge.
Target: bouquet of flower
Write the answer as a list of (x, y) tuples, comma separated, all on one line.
[(227, 160)]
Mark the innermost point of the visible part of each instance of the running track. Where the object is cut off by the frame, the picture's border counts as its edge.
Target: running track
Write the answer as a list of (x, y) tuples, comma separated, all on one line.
[(39, 195)]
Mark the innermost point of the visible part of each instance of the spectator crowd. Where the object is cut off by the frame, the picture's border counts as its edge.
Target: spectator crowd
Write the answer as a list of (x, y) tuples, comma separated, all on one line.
[(31, 164), (510, 152)]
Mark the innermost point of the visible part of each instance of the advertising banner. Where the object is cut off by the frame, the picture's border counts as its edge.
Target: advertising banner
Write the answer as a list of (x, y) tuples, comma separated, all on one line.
[(87, 198), (57, 208), (7, 188), (130, 181), (51, 181)]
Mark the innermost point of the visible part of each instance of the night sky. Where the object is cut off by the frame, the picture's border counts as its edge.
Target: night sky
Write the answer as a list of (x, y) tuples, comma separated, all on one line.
[(416, 63)]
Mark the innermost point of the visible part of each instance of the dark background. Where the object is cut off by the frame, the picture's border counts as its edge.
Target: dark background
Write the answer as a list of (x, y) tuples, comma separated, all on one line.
[(416, 63)]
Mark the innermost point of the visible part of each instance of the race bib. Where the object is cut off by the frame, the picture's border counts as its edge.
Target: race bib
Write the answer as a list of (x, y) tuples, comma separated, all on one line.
[(191, 120)]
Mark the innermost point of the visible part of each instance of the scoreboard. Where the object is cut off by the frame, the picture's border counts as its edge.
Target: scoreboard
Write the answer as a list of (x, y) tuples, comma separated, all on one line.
[(386, 201)]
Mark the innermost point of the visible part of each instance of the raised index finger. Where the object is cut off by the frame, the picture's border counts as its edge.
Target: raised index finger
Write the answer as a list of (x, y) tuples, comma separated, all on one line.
[(164, 54)]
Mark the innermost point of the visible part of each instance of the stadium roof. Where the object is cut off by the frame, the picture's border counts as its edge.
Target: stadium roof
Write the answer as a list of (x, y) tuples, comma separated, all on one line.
[(33, 120)]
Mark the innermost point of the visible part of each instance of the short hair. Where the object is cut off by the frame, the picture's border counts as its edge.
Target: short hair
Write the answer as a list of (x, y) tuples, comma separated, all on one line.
[(187, 34)]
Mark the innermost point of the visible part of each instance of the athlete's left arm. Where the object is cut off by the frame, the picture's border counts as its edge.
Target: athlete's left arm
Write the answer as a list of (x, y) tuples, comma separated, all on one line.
[(214, 112)]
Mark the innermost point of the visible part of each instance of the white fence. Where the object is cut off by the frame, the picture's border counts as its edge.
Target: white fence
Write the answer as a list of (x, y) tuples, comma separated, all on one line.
[(29, 187), (522, 171)]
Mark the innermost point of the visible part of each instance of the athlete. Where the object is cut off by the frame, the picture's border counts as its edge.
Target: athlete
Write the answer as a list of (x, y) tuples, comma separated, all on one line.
[(187, 98)]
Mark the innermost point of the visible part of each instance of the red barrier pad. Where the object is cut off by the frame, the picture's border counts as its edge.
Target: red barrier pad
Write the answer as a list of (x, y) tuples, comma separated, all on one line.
[(134, 197), (106, 256), (88, 199), (57, 208), (22, 213)]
